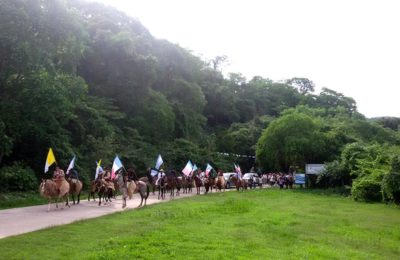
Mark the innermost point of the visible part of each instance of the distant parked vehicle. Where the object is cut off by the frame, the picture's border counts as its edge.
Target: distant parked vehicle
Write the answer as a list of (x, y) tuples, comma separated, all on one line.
[(252, 179), (228, 183)]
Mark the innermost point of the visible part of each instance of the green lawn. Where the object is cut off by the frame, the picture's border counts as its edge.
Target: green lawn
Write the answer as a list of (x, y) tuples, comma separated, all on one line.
[(28, 198), (258, 224), (20, 199)]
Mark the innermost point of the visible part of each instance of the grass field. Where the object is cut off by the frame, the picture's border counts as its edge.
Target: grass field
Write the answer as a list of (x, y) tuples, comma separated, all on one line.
[(20, 199), (262, 224)]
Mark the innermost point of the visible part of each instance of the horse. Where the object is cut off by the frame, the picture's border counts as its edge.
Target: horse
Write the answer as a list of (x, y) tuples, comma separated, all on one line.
[(171, 182), (185, 184), (119, 180), (161, 183), (179, 184), (104, 191), (191, 183), (220, 184), (209, 183), (131, 187), (289, 181), (93, 190), (48, 189), (239, 183), (198, 183), (75, 188)]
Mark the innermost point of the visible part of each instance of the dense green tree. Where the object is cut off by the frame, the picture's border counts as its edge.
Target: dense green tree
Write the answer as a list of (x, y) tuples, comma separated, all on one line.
[(293, 139), (304, 85)]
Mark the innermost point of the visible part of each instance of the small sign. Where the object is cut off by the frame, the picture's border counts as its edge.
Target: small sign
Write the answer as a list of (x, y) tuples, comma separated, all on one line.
[(315, 168), (300, 178)]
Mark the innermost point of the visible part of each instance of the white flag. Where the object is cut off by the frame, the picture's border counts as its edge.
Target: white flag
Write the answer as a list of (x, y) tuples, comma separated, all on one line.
[(71, 165), (159, 162)]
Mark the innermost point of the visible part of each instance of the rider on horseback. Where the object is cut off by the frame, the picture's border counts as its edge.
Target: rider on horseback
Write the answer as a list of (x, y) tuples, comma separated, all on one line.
[(131, 175), (161, 174), (58, 177), (106, 179), (73, 175)]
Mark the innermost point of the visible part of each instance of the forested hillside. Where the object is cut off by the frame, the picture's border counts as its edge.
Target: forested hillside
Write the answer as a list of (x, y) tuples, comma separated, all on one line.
[(90, 81)]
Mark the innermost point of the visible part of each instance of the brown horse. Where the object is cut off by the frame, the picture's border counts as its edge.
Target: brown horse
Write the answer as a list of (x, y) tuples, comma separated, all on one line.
[(48, 189), (162, 187), (104, 190), (208, 184), (220, 183), (75, 188), (171, 183), (93, 190), (198, 183), (239, 183), (179, 185)]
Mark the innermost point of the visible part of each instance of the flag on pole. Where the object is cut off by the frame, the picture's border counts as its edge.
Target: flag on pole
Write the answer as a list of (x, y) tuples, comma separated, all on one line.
[(71, 165), (188, 168), (154, 172), (116, 166), (98, 169), (208, 169), (49, 160), (238, 170), (194, 168), (159, 162)]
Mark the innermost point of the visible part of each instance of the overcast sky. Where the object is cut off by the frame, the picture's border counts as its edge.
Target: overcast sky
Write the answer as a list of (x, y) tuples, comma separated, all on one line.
[(350, 46)]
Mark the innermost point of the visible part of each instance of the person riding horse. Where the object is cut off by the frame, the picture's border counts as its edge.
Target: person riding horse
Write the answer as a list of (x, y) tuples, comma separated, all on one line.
[(161, 174), (131, 175), (73, 175), (106, 179), (58, 177)]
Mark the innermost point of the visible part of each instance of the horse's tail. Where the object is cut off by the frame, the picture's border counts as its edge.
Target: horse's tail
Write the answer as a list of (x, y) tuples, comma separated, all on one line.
[(148, 190)]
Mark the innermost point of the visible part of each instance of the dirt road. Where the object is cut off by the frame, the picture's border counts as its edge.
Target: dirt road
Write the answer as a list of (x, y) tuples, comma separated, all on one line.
[(22, 220)]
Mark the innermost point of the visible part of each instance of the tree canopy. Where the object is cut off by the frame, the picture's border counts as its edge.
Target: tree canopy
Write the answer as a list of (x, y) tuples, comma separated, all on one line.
[(90, 81)]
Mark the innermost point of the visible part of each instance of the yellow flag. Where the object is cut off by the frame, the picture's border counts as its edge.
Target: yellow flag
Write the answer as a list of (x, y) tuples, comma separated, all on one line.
[(50, 160)]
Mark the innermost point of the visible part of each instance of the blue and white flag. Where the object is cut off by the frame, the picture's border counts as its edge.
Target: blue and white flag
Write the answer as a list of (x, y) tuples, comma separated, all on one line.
[(71, 165), (154, 172), (208, 169), (159, 162), (188, 168), (116, 166), (194, 168)]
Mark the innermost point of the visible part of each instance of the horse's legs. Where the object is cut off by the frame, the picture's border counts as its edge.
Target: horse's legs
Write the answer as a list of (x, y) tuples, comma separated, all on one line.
[(99, 195), (67, 200), (79, 198), (123, 202)]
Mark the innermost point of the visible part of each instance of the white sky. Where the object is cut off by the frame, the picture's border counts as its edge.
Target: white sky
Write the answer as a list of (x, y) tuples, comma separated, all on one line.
[(350, 46)]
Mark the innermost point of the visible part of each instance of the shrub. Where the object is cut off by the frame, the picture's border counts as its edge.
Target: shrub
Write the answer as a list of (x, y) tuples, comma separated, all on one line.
[(366, 189), (17, 178), (334, 175), (391, 187)]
